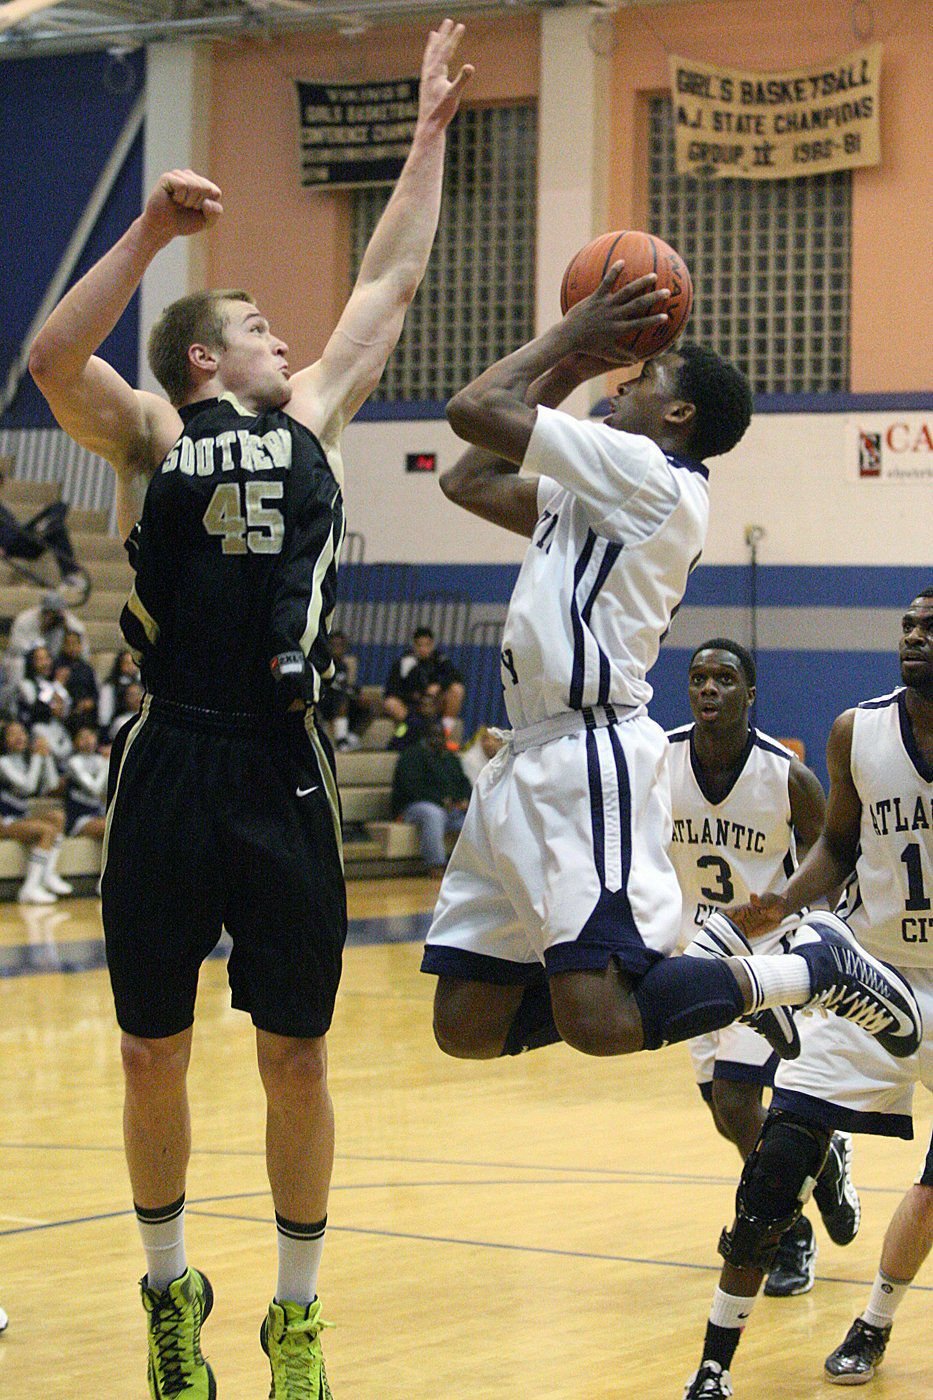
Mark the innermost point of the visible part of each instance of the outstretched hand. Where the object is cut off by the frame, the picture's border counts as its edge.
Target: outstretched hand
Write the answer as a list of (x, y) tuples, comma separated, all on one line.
[(438, 96), (181, 204), (762, 914), (607, 323)]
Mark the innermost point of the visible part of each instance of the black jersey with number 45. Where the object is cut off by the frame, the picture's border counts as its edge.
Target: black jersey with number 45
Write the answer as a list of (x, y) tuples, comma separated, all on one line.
[(236, 563)]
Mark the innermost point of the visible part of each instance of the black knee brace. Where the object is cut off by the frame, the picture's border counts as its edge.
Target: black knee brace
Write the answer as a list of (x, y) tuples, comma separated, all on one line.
[(776, 1183)]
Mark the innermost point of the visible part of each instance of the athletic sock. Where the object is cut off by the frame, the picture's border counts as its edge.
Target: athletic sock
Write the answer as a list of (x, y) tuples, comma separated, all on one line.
[(727, 1318), (51, 860), (778, 980), (886, 1294), (35, 869), (341, 728), (163, 1235), (300, 1250)]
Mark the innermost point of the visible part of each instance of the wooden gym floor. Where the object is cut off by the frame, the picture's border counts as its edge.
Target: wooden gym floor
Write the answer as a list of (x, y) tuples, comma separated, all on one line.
[(537, 1229)]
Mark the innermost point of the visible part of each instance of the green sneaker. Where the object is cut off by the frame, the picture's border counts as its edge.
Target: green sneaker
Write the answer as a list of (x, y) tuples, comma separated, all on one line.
[(291, 1338), (174, 1317)]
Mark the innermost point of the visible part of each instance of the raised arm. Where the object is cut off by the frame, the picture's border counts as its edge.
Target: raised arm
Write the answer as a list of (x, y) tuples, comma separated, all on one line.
[(327, 394), (93, 403), (494, 412), (488, 485)]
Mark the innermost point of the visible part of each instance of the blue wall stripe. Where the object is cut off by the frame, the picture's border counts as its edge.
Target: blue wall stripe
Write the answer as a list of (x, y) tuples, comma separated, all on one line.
[(910, 402)]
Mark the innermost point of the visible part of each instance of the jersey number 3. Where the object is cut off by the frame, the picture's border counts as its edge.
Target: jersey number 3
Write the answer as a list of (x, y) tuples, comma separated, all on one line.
[(255, 530), (724, 893)]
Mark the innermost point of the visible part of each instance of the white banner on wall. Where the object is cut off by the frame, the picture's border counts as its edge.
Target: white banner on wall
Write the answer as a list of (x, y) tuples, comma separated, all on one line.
[(890, 446)]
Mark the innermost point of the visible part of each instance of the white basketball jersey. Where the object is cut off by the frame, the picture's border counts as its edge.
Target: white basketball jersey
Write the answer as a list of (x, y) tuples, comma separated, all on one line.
[(620, 527), (724, 851), (889, 903)]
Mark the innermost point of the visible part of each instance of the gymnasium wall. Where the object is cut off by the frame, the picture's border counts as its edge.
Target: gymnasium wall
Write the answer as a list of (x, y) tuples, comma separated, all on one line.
[(839, 557)]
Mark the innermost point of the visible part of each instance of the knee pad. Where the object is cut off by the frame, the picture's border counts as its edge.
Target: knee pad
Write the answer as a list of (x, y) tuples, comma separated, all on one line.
[(776, 1183)]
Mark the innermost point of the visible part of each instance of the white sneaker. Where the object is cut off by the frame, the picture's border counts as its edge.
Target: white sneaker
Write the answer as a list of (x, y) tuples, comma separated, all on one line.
[(54, 882), (36, 894), (4, 1321)]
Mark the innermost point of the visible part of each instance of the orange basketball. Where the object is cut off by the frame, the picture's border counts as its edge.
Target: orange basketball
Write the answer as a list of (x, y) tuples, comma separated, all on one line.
[(642, 253)]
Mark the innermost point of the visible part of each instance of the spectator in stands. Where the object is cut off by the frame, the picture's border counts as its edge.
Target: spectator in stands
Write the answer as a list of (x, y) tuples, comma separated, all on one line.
[(86, 785), (44, 625), (430, 790), (26, 772), (122, 673), (51, 723), (78, 677), (341, 705), (132, 699), (37, 687), (484, 745), (29, 539), (423, 713), (420, 671)]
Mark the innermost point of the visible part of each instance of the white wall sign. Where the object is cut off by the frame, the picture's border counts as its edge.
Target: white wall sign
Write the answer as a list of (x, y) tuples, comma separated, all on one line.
[(890, 446)]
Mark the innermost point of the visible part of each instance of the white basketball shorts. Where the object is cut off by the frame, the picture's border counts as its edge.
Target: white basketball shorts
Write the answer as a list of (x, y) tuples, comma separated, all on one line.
[(562, 859)]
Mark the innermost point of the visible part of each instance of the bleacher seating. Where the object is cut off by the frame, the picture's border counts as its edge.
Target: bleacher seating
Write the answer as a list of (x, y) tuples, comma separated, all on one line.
[(375, 845)]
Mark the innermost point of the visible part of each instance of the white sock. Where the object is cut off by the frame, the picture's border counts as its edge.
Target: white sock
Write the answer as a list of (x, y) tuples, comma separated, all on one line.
[(886, 1295), (51, 862), (341, 728), (300, 1250), (35, 868), (162, 1232), (730, 1311), (781, 979), (448, 722)]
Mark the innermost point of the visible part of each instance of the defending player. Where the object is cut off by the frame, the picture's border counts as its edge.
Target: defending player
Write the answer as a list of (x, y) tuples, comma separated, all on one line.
[(224, 802), (740, 802), (562, 863), (878, 838), (907, 1244)]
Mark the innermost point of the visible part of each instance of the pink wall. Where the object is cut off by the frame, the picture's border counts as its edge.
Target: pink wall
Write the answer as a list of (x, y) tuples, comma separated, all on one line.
[(891, 207), (287, 245)]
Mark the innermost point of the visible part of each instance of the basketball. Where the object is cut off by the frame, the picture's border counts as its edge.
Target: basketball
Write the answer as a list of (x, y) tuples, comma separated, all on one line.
[(642, 253)]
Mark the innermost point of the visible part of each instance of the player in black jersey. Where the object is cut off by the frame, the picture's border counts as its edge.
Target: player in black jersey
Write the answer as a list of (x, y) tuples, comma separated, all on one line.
[(223, 806)]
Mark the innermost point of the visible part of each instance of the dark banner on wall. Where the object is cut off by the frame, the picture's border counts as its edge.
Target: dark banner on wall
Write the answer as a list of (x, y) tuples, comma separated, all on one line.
[(770, 126), (355, 134)]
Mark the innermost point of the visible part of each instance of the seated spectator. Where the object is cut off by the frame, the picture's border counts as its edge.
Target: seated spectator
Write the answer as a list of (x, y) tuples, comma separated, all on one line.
[(51, 722), (27, 772), (341, 704), (78, 677), (476, 754), (420, 717), (422, 670), (86, 785), (132, 699), (430, 790), (29, 539), (44, 625), (122, 673), (36, 687)]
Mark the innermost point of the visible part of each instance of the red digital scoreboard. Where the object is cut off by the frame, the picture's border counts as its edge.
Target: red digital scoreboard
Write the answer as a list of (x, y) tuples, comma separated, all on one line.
[(421, 461)]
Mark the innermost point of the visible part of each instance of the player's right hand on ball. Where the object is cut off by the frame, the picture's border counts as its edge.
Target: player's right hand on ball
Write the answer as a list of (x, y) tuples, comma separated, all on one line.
[(607, 322), (182, 203)]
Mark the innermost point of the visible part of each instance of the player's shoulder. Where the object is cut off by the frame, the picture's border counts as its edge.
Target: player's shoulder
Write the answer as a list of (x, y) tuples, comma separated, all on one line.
[(767, 744), (880, 702), (680, 735)]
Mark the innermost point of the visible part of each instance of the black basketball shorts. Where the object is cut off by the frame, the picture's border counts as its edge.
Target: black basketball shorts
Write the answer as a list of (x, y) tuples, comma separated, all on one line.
[(211, 825)]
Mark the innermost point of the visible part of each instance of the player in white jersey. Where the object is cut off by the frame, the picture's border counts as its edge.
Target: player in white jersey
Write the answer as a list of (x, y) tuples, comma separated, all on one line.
[(561, 870), (878, 836), (740, 801)]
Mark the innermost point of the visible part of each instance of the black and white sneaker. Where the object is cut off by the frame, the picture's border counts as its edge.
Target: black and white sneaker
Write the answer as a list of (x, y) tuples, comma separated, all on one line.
[(835, 1193), (794, 1268), (858, 1355), (711, 1382), (721, 938), (851, 983)]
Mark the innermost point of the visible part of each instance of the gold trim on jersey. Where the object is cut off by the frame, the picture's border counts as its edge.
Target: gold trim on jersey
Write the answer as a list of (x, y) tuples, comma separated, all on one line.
[(328, 778), (130, 738), (232, 399), (142, 614)]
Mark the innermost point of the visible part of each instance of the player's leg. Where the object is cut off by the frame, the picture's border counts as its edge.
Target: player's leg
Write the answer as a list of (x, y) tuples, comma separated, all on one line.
[(51, 879), (907, 1244), (775, 1184), (285, 909), (161, 919)]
